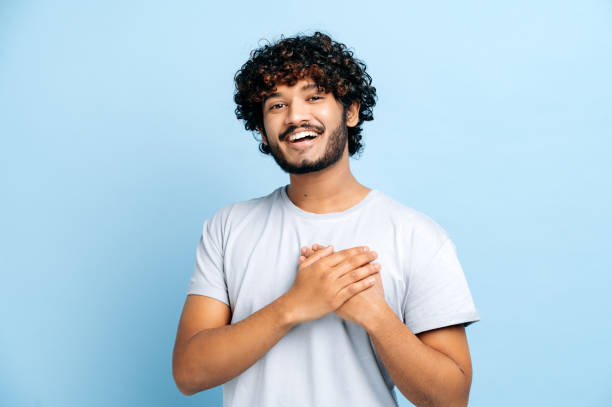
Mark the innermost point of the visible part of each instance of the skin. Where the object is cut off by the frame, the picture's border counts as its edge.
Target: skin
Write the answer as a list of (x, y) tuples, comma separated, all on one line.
[(432, 368), (330, 189), (209, 351)]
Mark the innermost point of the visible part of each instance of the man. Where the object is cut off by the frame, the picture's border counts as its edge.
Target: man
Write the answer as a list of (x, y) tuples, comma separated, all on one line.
[(324, 292)]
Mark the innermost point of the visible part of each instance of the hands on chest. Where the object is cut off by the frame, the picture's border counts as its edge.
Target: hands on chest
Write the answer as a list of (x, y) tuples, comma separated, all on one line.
[(346, 282)]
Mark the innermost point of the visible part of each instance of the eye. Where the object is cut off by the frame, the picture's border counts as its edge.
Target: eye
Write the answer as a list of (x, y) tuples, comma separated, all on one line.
[(272, 107), (317, 97)]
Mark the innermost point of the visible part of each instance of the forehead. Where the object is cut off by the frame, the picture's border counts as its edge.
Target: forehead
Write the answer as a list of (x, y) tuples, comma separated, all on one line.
[(302, 85)]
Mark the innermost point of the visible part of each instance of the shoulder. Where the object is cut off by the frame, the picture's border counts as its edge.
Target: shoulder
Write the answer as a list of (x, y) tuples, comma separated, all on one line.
[(420, 236), (410, 221), (237, 212)]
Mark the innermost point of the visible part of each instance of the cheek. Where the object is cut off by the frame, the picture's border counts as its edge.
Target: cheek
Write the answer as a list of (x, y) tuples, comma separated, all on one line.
[(271, 128), (326, 115), (330, 116)]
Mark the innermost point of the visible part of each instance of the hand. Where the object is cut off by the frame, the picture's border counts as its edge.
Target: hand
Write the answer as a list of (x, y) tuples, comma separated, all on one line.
[(366, 304), (326, 280)]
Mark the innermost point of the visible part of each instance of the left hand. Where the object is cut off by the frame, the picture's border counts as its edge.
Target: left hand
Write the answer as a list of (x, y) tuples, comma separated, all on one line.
[(362, 307)]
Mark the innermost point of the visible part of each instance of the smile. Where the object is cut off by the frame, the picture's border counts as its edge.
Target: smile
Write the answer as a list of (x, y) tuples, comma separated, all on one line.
[(302, 139), (299, 135)]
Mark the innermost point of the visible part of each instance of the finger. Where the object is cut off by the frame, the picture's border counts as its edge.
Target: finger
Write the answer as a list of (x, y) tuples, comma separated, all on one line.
[(360, 273), (301, 259), (353, 289), (354, 262), (305, 251), (342, 255), (316, 256), (317, 246)]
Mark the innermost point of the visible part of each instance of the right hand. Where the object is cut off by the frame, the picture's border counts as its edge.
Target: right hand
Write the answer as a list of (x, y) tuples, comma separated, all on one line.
[(326, 280)]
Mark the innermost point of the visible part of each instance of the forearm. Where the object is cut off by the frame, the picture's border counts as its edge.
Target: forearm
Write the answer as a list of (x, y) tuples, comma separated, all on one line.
[(423, 375), (214, 356)]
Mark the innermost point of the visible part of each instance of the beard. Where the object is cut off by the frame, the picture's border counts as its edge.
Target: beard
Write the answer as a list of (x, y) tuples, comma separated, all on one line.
[(333, 153)]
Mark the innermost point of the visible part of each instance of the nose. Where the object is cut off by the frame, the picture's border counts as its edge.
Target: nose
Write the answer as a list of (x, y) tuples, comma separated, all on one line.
[(297, 113)]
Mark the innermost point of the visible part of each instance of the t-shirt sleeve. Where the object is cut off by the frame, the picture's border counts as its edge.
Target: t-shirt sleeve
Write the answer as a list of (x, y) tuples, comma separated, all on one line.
[(438, 294), (208, 276)]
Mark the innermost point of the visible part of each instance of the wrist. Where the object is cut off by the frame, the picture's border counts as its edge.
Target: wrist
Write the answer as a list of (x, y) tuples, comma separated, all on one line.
[(287, 311), (379, 317)]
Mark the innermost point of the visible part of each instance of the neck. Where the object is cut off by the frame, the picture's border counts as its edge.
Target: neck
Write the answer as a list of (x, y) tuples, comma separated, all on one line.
[(332, 189)]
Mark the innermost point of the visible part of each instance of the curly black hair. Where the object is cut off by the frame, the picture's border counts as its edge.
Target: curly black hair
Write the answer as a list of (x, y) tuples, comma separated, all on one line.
[(328, 63)]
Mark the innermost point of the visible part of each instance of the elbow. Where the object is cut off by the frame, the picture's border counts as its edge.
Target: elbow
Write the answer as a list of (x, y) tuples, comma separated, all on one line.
[(186, 386), (184, 380), (181, 382), (179, 375), (459, 403), (184, 391), (462, 399), (456, 396), (459, 400)]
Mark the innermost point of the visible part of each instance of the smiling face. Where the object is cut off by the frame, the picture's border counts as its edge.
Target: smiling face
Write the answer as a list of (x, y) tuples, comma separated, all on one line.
[(305, 128)]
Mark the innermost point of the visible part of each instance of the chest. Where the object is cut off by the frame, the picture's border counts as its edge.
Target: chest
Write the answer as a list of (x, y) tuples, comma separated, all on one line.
[(261, 262)]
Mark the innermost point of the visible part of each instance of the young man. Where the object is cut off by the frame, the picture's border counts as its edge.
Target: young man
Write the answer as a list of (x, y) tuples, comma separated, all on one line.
[(324, 292)]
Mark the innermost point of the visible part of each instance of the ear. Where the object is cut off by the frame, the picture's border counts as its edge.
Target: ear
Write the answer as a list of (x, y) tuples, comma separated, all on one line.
[(264, 139), (352, 114)]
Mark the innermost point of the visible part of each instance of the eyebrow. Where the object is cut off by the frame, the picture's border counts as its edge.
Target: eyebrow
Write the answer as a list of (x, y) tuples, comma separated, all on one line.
[(305, 87)]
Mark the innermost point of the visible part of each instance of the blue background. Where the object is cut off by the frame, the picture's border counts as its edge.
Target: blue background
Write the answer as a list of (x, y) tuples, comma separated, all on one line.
[(118, 139)]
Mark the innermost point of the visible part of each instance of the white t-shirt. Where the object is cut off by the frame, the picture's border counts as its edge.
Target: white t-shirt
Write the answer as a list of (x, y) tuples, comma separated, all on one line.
[(248, 255)]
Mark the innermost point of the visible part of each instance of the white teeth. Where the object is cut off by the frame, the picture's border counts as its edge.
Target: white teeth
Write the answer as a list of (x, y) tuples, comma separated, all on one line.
[(302, 134)]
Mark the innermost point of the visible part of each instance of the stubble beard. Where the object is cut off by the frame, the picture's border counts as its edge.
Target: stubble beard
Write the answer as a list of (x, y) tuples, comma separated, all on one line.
[(336, 144)]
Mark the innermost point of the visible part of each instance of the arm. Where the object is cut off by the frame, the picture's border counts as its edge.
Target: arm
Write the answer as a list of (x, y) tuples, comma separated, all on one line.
[(209, 352), (432, 368)]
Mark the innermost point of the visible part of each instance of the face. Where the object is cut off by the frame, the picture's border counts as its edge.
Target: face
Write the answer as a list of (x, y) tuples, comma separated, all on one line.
[(305, 128)]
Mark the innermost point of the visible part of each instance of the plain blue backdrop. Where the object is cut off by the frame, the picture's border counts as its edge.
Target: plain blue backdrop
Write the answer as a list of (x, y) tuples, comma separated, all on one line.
[(118, 139)]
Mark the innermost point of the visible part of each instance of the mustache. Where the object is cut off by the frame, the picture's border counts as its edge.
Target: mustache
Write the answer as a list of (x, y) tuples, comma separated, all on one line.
[(291, 129)]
